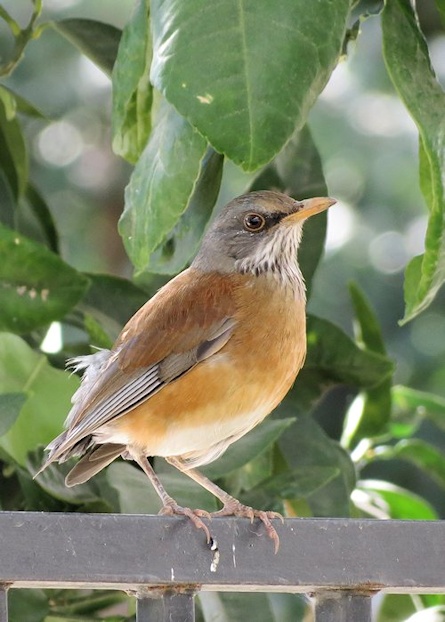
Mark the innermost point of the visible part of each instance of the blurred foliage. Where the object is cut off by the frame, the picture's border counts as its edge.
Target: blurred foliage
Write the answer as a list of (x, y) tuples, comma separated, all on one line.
[(362, 431)]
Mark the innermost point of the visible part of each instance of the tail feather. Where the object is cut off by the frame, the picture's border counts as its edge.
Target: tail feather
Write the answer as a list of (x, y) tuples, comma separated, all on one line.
[(93, 462)]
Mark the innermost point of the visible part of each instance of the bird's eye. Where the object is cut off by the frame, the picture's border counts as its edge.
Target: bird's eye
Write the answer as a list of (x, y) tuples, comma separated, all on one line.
[(254, 222)]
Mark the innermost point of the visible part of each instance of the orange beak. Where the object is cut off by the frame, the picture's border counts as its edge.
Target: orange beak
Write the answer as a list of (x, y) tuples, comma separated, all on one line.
[(309, 207)]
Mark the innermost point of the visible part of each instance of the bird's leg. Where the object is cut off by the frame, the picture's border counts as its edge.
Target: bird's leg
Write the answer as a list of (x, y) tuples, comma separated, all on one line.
[(170, 507), (231, 506)]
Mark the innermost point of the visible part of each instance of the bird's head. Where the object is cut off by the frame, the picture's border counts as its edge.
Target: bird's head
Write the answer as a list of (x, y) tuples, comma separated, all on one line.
[(259, 233)]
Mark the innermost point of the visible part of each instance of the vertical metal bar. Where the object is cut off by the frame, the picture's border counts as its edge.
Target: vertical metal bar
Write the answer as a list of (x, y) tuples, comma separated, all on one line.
[(3, 603), (171, 607), (342, 606)]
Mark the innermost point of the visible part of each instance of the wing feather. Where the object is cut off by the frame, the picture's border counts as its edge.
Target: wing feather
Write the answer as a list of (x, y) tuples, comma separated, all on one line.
[(187, 321)]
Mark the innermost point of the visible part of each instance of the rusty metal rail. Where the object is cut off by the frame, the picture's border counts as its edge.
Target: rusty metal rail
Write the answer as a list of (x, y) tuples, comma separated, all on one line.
[(164, 561)]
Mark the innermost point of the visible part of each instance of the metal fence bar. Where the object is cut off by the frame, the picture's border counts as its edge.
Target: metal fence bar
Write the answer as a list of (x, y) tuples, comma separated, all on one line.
[(3, 603), (145, 552), (170, 607), (341, 606)]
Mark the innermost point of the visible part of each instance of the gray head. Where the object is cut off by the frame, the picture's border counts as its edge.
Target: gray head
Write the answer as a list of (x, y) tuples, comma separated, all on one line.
[(258, 233)]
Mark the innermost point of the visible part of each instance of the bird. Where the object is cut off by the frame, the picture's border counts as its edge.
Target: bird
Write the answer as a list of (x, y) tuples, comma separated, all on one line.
[(204, 361)]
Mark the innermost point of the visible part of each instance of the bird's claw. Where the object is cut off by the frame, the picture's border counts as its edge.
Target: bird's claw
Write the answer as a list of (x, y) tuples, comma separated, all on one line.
[(173, 509), (245, 511)]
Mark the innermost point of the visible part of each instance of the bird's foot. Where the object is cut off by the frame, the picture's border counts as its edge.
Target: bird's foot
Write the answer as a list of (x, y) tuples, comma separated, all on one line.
[(171, 508), (235, 508)]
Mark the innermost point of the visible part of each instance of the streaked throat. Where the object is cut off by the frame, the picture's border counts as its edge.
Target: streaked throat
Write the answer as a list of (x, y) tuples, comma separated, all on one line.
[(276, 257)]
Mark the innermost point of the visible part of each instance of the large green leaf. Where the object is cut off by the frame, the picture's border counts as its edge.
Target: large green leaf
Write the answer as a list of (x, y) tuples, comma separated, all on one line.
[(245, 72), (27, 108), (8, 204), (385, 500), (132, 91), (52, 481), (182, 243), (29, 605), (297, 171), (441, 8), (396, 607), (43, 214), (332, 351), (161, 185), (415, 405), (13, 154), (370, 412), (428, 458), (408, 63), (248, 447), (333, 358), (137, 495), (112, 301), (48, 392), (297, 483), (37, 286), (306, 447), (14, 103), (98, 41), (10, 407), (8, 99)]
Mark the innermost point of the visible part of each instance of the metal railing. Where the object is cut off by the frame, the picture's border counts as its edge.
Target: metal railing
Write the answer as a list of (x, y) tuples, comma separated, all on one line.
[(164, 561)]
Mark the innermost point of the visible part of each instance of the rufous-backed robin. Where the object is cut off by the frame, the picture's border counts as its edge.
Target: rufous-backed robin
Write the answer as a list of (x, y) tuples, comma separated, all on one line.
[(205, 360)]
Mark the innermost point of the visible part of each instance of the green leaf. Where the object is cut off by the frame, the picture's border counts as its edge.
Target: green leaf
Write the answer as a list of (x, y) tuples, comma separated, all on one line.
[(423, 455), (414, 405), (108, 304), (228, 607), (440, 4), (9, 102), (52, 480), (137, 495), (221, 66), (98, 41), (391, 501), (251, 474), (8, 203), (297, 171), (14, 103), (333, 358), (306, 446), (161, 185), (30, 605), (396, 607), (10, 407), (182, 243), (48, 392), (98, 337), (37, 286), (13, 154), (27, 108), (43, 214), (132, 91), (248, 447), (114, 297), (297, 483), (77, 604), (35, 499), (369, 414), (368, 332), (331, 350), (408, 63)]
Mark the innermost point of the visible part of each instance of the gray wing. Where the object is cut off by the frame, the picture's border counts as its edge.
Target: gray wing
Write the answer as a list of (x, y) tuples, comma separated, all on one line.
[(107, 393)]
